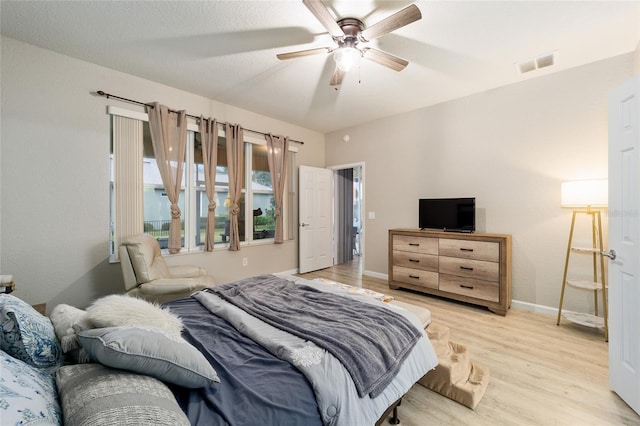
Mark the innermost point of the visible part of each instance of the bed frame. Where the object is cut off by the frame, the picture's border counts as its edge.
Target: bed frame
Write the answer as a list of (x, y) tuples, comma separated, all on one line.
[(394, 420)]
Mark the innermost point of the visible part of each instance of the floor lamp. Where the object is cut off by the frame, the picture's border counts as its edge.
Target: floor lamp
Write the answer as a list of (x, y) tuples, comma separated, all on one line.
[(587, 197)]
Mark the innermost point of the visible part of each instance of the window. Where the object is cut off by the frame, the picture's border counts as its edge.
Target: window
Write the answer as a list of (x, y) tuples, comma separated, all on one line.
[(263, 202), (257, 221)]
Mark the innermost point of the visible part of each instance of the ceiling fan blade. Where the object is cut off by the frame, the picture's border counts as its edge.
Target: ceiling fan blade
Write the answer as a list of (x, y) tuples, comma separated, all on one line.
[(386, 59), (322, 14), (301, 53), (391, 23), (336, 78)]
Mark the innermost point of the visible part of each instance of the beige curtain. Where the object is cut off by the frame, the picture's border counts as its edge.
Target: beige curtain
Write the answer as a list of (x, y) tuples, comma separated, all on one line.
[(169, 137), (209, 138), (278, 155), (235, 166)]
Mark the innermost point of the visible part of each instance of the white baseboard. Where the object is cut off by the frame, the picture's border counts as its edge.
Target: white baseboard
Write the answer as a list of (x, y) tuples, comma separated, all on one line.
[(376, 275), (532, 307)]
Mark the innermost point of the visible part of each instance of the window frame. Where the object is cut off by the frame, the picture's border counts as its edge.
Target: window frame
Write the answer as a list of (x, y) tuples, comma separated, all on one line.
[(190, 188)]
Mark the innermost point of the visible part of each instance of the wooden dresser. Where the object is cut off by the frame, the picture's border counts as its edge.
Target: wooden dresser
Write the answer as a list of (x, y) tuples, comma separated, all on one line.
[(473, 268)]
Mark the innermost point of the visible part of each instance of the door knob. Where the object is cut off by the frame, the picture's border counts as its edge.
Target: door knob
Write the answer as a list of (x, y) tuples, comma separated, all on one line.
[(611, 254)]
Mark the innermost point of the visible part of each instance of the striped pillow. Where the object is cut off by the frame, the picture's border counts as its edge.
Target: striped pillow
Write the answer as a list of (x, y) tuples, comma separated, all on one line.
[(92, 394)]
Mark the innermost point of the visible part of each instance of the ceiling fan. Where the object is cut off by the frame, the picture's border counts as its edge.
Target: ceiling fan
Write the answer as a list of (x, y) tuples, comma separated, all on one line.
[(350, 34)]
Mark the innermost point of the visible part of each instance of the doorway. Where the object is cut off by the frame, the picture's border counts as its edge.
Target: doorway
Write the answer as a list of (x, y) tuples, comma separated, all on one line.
[(348, 208)]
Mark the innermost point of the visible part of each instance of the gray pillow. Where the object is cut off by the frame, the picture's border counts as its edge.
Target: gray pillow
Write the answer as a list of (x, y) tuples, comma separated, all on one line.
[(92, 394), (151, 352)]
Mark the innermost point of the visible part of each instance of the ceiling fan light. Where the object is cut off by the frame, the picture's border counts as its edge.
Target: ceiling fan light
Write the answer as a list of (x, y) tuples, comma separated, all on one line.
[(347, 57)]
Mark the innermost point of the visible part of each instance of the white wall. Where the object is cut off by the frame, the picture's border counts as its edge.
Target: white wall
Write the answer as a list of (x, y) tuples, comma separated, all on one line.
[(510, 148), (54, 175)]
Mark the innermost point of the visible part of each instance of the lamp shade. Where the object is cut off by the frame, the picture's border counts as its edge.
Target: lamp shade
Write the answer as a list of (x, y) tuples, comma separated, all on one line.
[(347, 57), (584, 193)]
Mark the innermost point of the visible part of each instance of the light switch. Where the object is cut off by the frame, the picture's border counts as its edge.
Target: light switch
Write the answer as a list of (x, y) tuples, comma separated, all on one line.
[(372, 215)]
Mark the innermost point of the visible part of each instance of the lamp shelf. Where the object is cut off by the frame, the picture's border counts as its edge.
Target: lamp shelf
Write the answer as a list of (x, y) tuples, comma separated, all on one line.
[(584, 284), (585, 250), (581, 318)]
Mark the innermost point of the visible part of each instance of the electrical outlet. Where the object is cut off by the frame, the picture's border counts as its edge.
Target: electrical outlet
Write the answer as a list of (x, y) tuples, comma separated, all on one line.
[(245, 261)]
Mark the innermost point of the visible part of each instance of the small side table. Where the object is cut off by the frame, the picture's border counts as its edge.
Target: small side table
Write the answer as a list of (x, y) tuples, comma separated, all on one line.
[(7, 285)]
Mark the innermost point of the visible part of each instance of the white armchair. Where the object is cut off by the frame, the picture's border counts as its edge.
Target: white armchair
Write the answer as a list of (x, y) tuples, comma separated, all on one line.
[(147, 276)]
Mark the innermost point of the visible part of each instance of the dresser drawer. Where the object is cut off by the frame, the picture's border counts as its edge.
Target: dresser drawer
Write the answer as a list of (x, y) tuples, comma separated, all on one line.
[(478, 250), (478, 289), (415, 244), (478, 269), (418, 277), (427, 262)]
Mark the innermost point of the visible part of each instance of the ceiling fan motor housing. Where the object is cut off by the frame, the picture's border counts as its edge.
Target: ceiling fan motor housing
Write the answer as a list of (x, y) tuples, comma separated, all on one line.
[(351, 27)]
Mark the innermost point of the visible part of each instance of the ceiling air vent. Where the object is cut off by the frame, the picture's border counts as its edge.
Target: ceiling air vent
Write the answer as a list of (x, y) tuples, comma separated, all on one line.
[(527, 66), (542, 61), (545, 61)]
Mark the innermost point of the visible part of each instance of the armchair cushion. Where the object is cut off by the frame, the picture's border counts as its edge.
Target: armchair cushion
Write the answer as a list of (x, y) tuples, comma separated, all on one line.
[(146, 258), (174, 285), (186, 271)]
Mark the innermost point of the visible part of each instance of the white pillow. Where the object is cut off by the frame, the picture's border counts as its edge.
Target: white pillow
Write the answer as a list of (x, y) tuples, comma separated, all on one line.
[(67, 320), (119, 310)]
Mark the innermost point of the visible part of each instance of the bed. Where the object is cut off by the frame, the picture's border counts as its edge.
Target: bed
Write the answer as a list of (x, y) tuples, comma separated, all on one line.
[(280, 378), (219, 357)]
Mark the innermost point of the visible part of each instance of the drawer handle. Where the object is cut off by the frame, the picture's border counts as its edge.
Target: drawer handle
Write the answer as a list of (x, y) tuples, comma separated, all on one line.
[(414, 260), (414, 244), (466, 268), (415, 277), (465, 249), (468, 287)]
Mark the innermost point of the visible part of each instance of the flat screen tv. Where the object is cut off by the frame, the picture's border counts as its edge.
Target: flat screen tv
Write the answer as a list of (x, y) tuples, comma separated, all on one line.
[(447, 214)]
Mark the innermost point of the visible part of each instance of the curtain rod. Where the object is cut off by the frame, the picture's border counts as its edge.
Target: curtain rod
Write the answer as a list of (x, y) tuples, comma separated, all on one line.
[(108, 95)]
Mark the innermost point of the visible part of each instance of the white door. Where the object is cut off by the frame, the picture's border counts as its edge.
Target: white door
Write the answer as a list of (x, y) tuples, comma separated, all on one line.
[(624, 239), (315, 233)]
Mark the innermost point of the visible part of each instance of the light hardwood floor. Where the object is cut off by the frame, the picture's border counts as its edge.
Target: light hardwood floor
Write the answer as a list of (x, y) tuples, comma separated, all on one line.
[(541, 373)]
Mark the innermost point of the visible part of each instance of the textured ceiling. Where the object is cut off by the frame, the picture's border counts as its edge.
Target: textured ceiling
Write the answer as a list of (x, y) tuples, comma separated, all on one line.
[(226, 50)]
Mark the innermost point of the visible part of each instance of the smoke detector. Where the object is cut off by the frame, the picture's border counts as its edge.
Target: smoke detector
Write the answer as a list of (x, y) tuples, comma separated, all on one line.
[(539, 62)]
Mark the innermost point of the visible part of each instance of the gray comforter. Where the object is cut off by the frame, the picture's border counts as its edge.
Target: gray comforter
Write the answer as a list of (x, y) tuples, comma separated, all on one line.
[(336, 394), (370, 341)]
